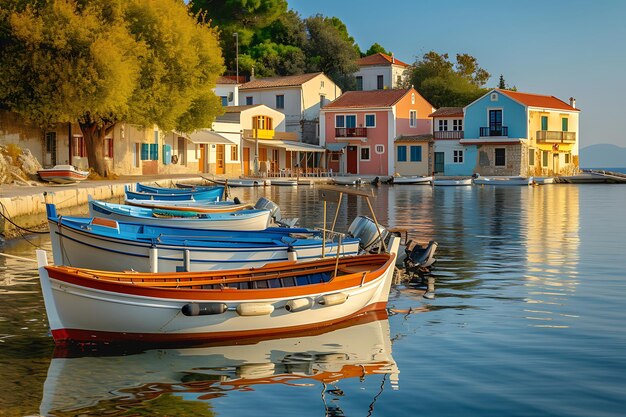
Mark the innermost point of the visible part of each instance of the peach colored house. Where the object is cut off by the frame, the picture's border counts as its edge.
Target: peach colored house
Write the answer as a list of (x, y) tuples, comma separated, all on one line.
[(360, 128)]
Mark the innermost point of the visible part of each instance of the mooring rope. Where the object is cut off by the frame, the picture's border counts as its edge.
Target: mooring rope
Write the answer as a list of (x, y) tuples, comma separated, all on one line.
[(7, 218)]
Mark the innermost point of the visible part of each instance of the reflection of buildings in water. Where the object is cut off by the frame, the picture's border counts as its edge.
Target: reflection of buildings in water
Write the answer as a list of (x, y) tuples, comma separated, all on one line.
[(359, 348), (412, 207), (553, 243)]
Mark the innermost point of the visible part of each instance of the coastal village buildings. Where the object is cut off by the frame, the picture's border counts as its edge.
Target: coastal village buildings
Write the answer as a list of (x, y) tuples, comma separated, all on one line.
[(378, 132), (380, 72), (227, 90), (299, 97), (450, 156), (514, 133)]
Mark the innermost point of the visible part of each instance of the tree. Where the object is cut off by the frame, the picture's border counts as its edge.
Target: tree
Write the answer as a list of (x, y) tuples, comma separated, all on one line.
[(444, 83), (501, 83), (98, 63), (376, 48)]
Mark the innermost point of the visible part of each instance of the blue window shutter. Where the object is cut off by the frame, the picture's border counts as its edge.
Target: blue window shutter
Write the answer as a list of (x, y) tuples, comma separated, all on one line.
[(145, 151), (416, 153), (154, 151), (402, 153)]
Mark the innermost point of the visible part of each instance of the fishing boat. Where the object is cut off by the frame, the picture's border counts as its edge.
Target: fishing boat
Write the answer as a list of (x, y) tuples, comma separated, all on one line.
[(62, 174), (543, 180), (357, 348), (442, 182), (194, 206), (117, 246), (139, 187), (347, 180), (237, 182), (413, 179), (238, 220), (94, 306), (503, 181), (202, 195)]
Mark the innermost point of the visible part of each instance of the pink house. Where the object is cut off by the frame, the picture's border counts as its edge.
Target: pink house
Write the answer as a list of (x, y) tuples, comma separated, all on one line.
[(359, 129)]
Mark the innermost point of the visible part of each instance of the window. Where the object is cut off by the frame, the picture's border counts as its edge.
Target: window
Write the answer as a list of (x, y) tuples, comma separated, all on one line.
[(500, 157), (544, 159), (351, 121), (402, 153), (340, 120), (224, 101), (531, 157), (416, 153), (370, 120), (149, 152), (544, 122), (412, 98), (322, 84), (359, 83), (181, 149), (51, 142), (443, 125), (413, 118), (457, 156), (564, 123), (379, 82), (457, 125), (365, 153), (380, 149), (108, 147), (78, 147), (280, 101), (568, 158), (494, 97), (234, 153), (249, 101), (262, 122)]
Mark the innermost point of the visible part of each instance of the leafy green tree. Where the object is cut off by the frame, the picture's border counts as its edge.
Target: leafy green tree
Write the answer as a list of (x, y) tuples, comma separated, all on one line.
[(444, 83), (98, 63), (376, 48)]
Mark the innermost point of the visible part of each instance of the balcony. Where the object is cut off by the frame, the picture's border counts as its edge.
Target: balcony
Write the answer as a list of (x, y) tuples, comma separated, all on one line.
[(350, 132), (501, 131), (549, 136), (448, 134)]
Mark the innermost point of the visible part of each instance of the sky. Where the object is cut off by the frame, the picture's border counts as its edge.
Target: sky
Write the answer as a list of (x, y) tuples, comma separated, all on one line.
[(570, 48)]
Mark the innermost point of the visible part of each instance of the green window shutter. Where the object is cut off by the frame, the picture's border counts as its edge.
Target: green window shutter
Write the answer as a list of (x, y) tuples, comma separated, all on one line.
[(145, 151), (564, 125), (416, 153), (402, 153), (154, 151), (544, 122)]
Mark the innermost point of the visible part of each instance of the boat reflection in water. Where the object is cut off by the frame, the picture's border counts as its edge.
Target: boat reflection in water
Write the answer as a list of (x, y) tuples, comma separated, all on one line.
[(80, 382)]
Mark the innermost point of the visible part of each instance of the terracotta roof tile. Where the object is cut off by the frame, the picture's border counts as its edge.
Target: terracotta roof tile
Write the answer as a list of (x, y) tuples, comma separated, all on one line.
[(448, 112), (537, 100), (380, 59), (276, 82), (367, 99)]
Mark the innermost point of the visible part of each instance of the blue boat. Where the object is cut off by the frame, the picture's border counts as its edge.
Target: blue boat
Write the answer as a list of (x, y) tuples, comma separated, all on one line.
[(101, 243), (202, 195), (164, 190), (257, 219)]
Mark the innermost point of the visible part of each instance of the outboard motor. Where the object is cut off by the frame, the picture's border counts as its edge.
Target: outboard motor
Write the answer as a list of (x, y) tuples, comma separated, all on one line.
[(420, 259), (367, 232), (266, 204)]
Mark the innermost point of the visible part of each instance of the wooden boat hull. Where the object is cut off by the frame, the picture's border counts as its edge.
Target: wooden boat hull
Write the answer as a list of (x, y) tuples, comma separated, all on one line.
[(241, 220), (352, 349), (62, 174), (82, 309), (452, 183), (506, 181), (412, 180), (85, 243)]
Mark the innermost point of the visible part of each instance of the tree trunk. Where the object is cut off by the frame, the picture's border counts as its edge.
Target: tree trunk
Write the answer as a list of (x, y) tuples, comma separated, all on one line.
[(94, 132)]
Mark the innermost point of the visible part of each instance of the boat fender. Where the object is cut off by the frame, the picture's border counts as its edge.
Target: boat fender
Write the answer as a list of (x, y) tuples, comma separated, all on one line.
[(292, 255), (254, 309), (299, 304), (333, 299), (203, 309)]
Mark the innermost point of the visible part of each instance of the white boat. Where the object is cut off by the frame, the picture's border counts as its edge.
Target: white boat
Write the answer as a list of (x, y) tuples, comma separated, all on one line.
[(543, 180), (63, 174), (347, 180), (503, 181), (284, 182), (80, 383), (89, 306), (237, 182), (442, 182), (196, 206), (238, 220), (413, 179), (584, 178)]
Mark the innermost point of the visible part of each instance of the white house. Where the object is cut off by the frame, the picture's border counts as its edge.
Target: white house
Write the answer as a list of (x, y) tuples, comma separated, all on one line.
[(228, 90), (380, 72), (299, 97)]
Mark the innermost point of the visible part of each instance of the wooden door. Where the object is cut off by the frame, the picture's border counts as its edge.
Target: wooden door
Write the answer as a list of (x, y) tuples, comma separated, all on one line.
[(352, 156), (246, 161), (202, 158), (220, 159), (439, 162)]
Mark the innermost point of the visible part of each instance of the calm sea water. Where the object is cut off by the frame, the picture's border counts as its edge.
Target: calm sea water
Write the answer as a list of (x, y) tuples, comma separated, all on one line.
[(528, 321)]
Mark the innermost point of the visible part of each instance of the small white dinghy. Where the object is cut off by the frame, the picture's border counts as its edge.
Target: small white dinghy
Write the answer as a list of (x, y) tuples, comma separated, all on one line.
[(503, 180), (62, 174), (451, 182), (412, 179)]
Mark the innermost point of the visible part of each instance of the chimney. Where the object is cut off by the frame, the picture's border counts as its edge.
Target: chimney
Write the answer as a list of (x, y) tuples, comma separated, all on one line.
[(393, 60), (572, 102)]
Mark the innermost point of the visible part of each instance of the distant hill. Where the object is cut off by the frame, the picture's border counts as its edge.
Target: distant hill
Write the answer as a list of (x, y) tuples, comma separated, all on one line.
[(603, 156)]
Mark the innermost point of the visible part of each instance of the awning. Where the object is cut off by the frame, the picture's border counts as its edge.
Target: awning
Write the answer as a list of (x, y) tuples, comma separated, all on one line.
[(336, 147), (207, 136), (288, 145)]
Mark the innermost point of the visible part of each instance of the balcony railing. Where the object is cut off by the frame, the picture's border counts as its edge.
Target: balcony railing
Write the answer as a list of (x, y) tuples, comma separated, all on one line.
[(448, 134), (550, 136), (350, 132), (494, 131)]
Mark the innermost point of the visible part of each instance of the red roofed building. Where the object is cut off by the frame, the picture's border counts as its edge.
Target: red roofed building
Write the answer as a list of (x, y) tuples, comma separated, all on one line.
[(364, 131), (380, 72)]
